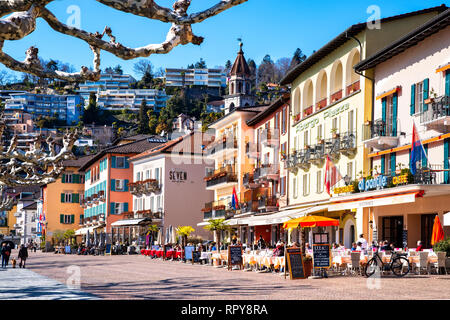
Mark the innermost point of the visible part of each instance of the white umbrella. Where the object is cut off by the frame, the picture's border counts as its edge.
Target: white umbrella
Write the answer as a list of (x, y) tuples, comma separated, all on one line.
[(159, 238), (88, 240), (173, 235)]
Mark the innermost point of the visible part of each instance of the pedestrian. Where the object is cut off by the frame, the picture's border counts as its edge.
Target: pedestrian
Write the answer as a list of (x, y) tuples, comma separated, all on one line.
[(5, 255), (23, 255), (234, 240), (261, 243)]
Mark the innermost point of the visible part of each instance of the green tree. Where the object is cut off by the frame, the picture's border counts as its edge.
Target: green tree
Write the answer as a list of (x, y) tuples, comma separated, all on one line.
[(201, 64), (143, 120), (91, 113), (118, 69), (217, 226), (152, 121), (298, 57)]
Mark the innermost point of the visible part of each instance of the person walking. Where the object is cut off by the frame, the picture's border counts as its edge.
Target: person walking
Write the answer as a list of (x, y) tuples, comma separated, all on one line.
[(23, 255), (5, 255)]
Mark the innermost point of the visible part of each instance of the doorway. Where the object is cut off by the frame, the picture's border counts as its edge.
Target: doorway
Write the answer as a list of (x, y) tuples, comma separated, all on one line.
[(349, 233), (426, 229), (392, 228)]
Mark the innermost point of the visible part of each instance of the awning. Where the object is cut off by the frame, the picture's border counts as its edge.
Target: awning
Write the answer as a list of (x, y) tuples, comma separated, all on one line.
[(374, 202), (447, 219), (82, 231), (387, 93), (444, 67), (128, 222)]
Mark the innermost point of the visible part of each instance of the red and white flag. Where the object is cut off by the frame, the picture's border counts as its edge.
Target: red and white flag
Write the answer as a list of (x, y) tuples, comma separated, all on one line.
[(332, 175)]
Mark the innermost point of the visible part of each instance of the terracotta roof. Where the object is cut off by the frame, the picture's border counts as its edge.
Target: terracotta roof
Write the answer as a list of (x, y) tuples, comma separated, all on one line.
[(135, 137), (240, 66), (77, 162), (185, 144), (432, 26), (135, 147), (343, 38), (32, 206)]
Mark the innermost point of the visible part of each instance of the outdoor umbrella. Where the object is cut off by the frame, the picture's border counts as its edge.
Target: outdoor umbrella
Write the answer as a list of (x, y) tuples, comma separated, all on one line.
[(88, 240), (438, 231), (311, 222), (159, 239), (95, 237), (173, 236)]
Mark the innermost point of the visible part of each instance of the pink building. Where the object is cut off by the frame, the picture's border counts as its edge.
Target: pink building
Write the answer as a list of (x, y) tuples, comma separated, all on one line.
[(412, 85)]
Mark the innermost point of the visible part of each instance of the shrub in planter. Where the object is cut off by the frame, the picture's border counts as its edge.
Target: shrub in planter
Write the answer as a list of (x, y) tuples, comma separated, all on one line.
[(443, 246)]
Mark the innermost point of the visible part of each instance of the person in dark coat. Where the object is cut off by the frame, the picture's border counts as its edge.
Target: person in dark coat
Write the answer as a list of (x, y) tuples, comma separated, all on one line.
[(5, 255), (23, 255)]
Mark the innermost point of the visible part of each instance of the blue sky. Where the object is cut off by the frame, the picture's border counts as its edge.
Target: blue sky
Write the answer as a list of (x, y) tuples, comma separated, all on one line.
[(275, 27)]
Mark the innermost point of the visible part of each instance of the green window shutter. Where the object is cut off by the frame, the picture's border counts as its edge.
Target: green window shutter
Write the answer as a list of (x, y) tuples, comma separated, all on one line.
[(426, 85), (63, 178), (126, 185), (446, 164), (77, 178), (63, 197), (113, 162), (424, 159), (413, 99), (113, 184), (72, 218), (383, 159), (76, 198), (392, 164), (125, 207), (383, 113), (112, 207), (394, 114), (447, 83), (61, 218), (127, 164)]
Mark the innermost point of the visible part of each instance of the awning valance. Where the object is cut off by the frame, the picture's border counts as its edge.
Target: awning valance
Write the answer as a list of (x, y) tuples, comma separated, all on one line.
[(83, 231), (365, 202), (444, 67), (129, 222), (387, 93)]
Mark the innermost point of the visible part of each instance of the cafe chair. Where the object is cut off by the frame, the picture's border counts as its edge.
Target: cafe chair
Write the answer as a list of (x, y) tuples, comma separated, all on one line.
[(440, 264), (354, 267), (423, 262)]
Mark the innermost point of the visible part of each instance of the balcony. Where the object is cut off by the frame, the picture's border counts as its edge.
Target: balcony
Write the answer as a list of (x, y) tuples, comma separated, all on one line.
[(437, 117), (336, 96), (270, 138), (249, 182), (267, 203), (291, 161), (379, 135), (222, 145), (217, 209), (303, 158), (249, 206), (207, 215), (251, 150), (144, 187), (355, 86), (333, 147), (266, 172), (308, 111), (318, 153), (221, 177), (348, 143), (321, 104), (208, 207)]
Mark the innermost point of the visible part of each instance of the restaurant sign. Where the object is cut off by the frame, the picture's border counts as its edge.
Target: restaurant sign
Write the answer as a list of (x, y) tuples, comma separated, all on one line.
[(370, 184), (177, 175)]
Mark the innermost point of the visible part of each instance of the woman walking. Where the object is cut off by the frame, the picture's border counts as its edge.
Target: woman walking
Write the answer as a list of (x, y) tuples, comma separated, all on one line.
[(5, 252), (23, 255)]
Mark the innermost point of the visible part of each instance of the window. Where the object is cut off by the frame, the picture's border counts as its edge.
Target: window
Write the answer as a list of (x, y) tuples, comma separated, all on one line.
[(68, 197), (319, 182), (152, 203), (67, 218), (305, 185), (319, 132), (294, 186), (120, 162), (350, 121), (283, 121), (67, 178), (138, 176), (306, 138), (120, 207), (147, 174), (350, 170), (283, 186), (120, 186), (334, 124), (419, 97), (277, 120)]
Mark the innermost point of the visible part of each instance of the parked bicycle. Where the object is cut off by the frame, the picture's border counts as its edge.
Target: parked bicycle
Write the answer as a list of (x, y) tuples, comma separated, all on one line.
[(399, 264)]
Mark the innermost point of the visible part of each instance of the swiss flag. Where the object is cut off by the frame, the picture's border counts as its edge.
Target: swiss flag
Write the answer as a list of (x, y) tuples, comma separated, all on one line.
[(332, 175)]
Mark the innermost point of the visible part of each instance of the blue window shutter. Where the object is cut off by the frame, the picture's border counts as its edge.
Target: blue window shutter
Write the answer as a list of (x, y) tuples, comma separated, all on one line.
[(426, 85), (383, 113), (127, 164), (446, 164), (383, 159), (125, 207), (126, 185), (113, 162), (112, 207), (424, 159), (413, 99), (392, 164), (63, 178), (113, 185), (394, 114), (447, 83)]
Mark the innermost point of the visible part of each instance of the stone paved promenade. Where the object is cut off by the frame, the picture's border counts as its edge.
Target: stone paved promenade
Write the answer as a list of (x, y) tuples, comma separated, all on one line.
[(139, 277)]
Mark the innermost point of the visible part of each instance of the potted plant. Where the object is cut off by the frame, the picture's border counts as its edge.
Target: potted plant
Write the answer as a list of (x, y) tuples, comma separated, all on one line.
[(334, 132), (307, 265)]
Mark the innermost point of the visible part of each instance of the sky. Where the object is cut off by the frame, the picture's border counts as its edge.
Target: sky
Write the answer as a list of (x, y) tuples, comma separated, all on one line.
[(274, 27)]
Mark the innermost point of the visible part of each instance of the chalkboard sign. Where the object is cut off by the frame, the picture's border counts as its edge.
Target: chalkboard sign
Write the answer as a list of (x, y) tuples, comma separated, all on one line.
[(375, 236), (321, 255), (196, 257), (188, 252), (235, 257), (294, 263), (108, 248), (405, 238)]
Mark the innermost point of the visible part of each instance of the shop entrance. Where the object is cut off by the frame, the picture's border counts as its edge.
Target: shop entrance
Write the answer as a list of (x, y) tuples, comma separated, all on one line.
[(392, 228), (426, 229)]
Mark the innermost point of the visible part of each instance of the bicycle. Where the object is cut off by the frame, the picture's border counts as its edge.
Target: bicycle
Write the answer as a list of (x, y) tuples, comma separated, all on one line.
[(396, 265)]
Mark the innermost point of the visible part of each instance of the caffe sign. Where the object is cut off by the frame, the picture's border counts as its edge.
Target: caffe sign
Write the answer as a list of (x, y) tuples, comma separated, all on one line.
[(177, 175)]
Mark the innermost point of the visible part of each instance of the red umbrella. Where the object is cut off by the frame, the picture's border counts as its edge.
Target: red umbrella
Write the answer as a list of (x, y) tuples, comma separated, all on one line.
[(438, 231)]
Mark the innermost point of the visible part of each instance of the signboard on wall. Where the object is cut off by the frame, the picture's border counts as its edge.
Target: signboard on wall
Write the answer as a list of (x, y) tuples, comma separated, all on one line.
[(176, 175)]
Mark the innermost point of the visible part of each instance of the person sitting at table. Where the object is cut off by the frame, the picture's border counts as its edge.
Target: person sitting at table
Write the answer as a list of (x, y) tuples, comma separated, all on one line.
[(307, 246), (234, 240), (335, 246), (354, 247), (419, 246), (277, 251), (261, 243), (213, 246), (386, 246)]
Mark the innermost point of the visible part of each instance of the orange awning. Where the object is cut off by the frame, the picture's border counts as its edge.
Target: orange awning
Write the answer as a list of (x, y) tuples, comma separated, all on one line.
[(438, 232), (388, 93), (443, 68), (310, 222)]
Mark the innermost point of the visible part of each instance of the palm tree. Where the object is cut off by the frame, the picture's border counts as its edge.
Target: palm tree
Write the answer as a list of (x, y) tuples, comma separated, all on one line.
[(217, 226), (152, 229), (184, 232)]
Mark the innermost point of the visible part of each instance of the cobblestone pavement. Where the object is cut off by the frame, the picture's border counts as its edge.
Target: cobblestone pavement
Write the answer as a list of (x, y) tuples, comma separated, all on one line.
[(24, 284), (139, 277)]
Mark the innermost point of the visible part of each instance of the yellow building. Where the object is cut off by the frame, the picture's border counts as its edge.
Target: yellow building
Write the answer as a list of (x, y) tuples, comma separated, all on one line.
[(330, 103), (61, 199), (8, 222)]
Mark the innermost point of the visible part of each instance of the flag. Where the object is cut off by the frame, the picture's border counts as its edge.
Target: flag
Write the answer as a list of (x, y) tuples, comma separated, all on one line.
[(234, 200), (417, 150), (332, 175)]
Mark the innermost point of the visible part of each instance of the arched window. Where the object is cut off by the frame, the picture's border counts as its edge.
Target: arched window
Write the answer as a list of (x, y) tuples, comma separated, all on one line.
[(232, 106), (308, 95), (321, 90), (240, 87), (336, 80), (296, 101), (232, 88), (352, 78)]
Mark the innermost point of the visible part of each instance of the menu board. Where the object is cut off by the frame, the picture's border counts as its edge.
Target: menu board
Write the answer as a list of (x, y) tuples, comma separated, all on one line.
[(405, 238), (321, 255), (108, 248), (196, 256), (235, 257), (188, 252), (294, 263)]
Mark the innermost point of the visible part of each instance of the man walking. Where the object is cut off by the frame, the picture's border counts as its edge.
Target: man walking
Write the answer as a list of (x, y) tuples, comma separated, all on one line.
[(23, 255), (5, 255)]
